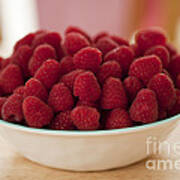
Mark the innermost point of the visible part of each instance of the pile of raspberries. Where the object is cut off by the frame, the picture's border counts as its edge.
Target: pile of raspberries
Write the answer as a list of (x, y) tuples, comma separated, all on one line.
[(85, 83)]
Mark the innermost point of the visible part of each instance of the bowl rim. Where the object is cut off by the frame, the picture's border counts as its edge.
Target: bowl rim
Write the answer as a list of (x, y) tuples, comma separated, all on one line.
[(88, 133)]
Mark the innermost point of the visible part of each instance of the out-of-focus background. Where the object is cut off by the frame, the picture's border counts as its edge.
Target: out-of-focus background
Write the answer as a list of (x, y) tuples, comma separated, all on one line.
[(121, 17)]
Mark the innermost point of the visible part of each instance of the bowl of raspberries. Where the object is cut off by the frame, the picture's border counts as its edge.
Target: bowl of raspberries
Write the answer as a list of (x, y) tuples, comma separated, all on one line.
[(88, 103)]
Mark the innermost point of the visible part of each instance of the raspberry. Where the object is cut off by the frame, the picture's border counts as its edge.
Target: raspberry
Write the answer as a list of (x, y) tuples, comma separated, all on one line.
[(67, 65), (119, 40), (163, 86), (137, 51), (176, 108), (68, 79), (12, 109), (71, 29), (34, 87), (19, 90), (2, 101), (87, 103), (162, 114), (123, 55), (88, 58), (74, 42), (171, 49), (174, 66), (41, 54), (1, 92), (37, 114), (48, 73), (21, 57), (109, 69), (132, 85), (6, 62), (62, 121), (60, 98), (145, 68), (161, 52), (105, 44), (10, 78), (150, 37), (26, 40), (99, 36), (178, 81), (113, 94), (118, 118), (1, 61), (144, 108), (51, 38), (85, 118), (86, 87)]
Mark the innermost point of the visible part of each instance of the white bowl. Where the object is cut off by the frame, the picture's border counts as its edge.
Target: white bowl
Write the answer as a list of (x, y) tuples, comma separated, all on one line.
[(85, 150)]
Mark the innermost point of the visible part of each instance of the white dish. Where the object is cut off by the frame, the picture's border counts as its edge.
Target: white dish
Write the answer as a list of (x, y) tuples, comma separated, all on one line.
[(85, 150)]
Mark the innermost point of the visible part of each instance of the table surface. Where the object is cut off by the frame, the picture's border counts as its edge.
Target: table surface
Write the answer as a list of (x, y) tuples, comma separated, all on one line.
[(14, 167)]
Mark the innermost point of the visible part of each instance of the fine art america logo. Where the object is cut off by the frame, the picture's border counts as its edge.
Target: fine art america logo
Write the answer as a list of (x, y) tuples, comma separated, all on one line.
[(156, 147)]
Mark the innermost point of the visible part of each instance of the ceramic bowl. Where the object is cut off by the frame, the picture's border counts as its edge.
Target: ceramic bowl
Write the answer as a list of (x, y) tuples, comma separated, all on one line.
[(86, 150)]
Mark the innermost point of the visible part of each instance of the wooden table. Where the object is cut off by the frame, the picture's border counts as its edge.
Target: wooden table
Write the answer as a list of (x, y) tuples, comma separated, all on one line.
[(14, 167)]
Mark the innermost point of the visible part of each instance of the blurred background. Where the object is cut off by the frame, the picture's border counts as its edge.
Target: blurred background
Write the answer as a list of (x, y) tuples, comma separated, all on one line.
[(121, 17)]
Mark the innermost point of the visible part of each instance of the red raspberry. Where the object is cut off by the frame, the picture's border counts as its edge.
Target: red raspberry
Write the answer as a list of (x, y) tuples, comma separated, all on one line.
[(163, 86), (113, 94), (171, 49), (10, 78), (178, 81), (1, 61), (162, 114), (6, 62), (88, 58), (62, 121), (85, 118), (109, 69), (19, 90), (34, 87), (174, 66), (176, 108), (87, 103), (119, 40), (48, 73), (144, 108), (26, 40), (132, 85), (12, 109), (105, 44), (86, 87), (118, 118), (150, 37), (68, 79), (67, 65), (71, 29), (21, 57), (145, 68), (41, 54), (123, 55), (60, 98), (2, 101), (137, 51), (161, 52), (74, 42), (37, 114), (51, 38), (99, 36)]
